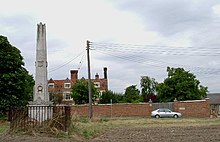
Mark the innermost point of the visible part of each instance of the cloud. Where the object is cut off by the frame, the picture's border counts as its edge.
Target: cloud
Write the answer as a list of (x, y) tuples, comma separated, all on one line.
[(70, 23)]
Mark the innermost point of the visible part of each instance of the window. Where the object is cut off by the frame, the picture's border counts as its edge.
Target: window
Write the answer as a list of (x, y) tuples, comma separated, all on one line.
[(97, 84), (66, 96), (219, 110), (67, 85), (50, 85), (212, 107)]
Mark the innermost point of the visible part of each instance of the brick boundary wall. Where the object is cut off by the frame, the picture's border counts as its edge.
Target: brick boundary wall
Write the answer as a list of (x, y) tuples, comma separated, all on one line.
[(194, 109), (114, 110)]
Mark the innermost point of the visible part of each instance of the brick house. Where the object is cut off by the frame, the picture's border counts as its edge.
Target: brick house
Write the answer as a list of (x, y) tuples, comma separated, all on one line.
[(214, 104), (64, 87)]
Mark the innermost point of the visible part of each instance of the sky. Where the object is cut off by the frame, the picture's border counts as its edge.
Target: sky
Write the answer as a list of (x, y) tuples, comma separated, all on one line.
[(132, 38)]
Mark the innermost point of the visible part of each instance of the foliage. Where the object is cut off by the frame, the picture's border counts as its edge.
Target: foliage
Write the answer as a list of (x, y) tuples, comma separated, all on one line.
[(181, 85), (16, 85), (132, 94), (80, 92), (109, 95), (148, 88), (56, 98)]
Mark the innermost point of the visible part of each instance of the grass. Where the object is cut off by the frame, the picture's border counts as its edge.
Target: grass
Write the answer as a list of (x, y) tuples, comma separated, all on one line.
[(82, 128), (91, 128), (4, 126)]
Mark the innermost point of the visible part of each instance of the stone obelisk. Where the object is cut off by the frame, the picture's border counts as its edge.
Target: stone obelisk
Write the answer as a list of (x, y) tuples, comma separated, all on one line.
[(39, 109), (41, 95)]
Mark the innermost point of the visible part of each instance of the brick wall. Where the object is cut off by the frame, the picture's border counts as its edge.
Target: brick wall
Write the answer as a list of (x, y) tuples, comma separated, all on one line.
[(196, 109), (115, 110)]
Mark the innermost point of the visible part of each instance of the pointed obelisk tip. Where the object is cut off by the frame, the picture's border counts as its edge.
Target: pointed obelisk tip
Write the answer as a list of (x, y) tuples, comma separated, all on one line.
[(41, 24)]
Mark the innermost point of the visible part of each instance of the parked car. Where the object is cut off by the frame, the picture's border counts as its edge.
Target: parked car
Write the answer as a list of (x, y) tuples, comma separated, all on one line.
[(164, 112)]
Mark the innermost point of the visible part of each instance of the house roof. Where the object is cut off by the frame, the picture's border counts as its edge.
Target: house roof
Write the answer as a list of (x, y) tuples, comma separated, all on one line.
[(214, 98)]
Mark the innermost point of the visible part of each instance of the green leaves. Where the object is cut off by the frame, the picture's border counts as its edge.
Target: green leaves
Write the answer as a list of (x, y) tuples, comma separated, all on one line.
[(180, 84), (80, 92), (132, 94), (148, 88), (16, 85)]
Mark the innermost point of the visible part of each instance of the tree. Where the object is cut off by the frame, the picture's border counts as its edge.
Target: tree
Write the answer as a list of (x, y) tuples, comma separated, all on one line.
[(109, 95), (16, 85), (56, 97), (148, 88), (80, 92), (132, 94), (181, 85)]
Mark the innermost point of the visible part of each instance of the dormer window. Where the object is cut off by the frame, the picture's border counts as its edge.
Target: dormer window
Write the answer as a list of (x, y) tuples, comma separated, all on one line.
[(97, 84), (67, 85), (50, 85)]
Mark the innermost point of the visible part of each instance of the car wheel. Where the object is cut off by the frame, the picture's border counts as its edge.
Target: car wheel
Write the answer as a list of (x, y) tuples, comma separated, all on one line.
[(175, 116), (157, 116)]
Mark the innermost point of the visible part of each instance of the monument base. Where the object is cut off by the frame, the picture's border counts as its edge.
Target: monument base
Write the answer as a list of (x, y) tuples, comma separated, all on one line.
[(40, 110)]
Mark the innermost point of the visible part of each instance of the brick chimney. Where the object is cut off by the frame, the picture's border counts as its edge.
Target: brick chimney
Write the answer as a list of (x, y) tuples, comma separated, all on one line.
[(97, 76), (74, 75), (105, 72)]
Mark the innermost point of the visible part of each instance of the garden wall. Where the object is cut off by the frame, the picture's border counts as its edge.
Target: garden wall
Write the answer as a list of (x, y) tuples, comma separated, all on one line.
[(196, 109)]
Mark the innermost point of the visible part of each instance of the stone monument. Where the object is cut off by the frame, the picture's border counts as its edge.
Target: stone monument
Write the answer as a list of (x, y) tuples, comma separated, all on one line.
[(41, 95)]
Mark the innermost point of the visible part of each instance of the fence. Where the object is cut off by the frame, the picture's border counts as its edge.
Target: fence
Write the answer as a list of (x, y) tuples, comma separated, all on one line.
[(39, 117), (169, 105)]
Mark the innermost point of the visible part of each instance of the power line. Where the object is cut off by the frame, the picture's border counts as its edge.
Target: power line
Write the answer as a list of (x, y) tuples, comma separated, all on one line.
[(125, 52), (155, 49), (59, 67)]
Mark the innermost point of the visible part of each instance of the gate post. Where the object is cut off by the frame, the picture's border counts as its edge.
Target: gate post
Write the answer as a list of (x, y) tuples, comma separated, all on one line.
[(67, 117)]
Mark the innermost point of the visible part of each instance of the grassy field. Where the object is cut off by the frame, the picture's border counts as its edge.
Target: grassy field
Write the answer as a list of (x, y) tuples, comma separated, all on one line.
[(83, 128)]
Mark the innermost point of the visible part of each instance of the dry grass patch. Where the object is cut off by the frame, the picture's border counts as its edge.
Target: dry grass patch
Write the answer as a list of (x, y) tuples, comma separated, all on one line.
[(4, 126)]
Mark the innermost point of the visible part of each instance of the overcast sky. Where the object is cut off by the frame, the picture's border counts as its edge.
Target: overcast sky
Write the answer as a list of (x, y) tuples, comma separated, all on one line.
[(132, 38)]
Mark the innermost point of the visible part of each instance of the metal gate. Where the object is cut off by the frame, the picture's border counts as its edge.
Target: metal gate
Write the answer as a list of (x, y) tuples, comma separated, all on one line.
[(168, 105)]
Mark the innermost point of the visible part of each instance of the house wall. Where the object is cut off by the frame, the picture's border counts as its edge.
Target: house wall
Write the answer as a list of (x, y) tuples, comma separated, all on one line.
[(195, 109)]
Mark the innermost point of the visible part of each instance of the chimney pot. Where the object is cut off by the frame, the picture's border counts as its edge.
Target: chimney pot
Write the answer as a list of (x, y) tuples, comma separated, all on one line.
[(105, 72), (97, 76), (74, 74)]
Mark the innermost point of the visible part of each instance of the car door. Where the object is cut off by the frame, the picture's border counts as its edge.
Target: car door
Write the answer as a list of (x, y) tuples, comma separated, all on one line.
[(162, 113), (168, 113)]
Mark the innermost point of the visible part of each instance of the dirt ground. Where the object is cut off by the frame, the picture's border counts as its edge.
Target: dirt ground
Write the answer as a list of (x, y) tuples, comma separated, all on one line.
[(165, 134), (177, 134)]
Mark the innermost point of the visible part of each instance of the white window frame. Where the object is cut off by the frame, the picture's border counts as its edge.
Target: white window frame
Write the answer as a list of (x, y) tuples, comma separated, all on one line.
[(51, 84), (97, 84), (69, 85), (65, 94)]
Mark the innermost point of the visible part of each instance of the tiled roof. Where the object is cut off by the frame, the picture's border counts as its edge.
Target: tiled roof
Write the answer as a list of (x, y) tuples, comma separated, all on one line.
[(214, 98)]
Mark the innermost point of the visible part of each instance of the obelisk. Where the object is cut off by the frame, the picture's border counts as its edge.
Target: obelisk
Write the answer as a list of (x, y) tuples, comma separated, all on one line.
[(41, 94)]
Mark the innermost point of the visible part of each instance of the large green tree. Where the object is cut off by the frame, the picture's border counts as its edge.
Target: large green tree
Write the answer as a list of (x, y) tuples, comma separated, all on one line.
[(132, 94), (109, 96), (148, 88), (16, 85), (80, 92), (181, 85)]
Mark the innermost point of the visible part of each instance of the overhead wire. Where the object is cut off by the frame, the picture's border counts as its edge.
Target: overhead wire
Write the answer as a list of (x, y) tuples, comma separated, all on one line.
[(154, 49), (66, 63), (118, 50), (81, 61)]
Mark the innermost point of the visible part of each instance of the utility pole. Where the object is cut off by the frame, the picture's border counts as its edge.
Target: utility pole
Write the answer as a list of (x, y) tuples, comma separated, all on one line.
[(89, 80)]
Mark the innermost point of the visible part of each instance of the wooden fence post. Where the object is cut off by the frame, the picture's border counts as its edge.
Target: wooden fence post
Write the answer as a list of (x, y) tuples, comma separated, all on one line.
[(67, 117)]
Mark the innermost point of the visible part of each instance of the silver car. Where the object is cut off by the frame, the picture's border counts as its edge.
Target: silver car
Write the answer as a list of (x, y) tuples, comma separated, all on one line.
[(164, 112)]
